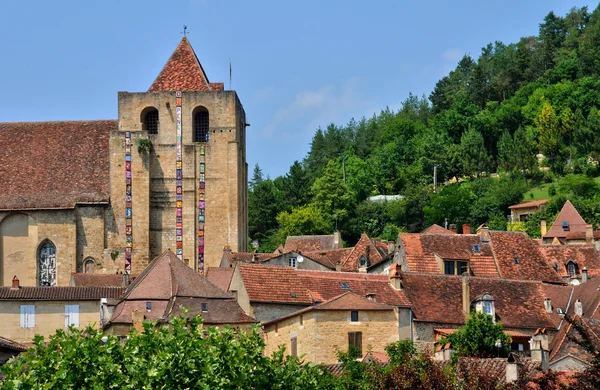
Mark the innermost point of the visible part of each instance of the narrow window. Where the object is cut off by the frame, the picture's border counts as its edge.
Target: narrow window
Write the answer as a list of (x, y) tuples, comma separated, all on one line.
[(72, 315), (487, 307), (27, 317), (354, 316), (201, 122), (89, 265), (571, 269), (355, 340), (47, 264), (461, 267), (449, 268), (294, 346), (150, 121), (293, 262)]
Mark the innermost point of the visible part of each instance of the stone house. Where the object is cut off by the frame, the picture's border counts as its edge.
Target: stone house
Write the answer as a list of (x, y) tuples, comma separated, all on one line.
[(569, 228), (110, 195), (27, 311), (318, 332), (522, 211), (165, 287)]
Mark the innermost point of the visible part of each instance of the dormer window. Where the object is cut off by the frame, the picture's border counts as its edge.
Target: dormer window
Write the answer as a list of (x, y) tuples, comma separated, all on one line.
[(488, 307), (292, 262), (362, 261), (455, 267), (565, 226), (571, 268), (485, 304)]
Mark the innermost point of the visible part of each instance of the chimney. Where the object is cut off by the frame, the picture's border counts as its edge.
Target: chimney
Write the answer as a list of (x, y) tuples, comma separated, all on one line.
[(539, 348), (396, 277), (548, 305), (452, 228), (584, 275), (589, 234), (15, 283), (466, 228), (512, 369), (466, 295), (125, 280), (255, 256), (391, 246), (484, 233), (226, 249), (338, 267), (579, 308), (337, 240), (543, 227)]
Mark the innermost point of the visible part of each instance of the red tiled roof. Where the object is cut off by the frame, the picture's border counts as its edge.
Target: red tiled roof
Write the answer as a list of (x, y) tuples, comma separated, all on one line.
[(98, 280), (438, 299), (12, 345), (311, 243), (248, 257), (565, 342), (182, 72), (508, 246), (275, 284), (49, 165), (437, 229), (220, 311), (511, 333), (584, 255), (567, 214), (220, 277), (59, 293), (532, 203), (351, 263)]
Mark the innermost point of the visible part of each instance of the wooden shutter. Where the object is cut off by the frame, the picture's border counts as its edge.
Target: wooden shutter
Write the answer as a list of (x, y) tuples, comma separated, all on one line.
[(72, 315), (27, 316), (294, 346), (355, 339), (23, 316)]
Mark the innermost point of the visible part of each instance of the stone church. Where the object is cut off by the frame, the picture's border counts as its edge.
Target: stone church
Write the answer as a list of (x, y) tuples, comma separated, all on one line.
[(107, 196)]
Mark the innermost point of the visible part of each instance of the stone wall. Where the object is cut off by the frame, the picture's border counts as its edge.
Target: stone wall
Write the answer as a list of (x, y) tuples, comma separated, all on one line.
[(49, 316)]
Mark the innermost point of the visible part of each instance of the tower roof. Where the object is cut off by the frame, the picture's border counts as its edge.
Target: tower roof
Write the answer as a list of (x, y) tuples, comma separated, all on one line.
[(182, 72), (567, 221)]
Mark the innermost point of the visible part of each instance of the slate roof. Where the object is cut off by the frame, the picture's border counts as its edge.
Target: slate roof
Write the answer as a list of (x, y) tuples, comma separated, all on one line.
[(438, 299), (220, 277), (567, 214), (54, 165), (182, 72), (532, 203), (310, 243), (167, 283), (584, 255), (286, 285), (59, 293)]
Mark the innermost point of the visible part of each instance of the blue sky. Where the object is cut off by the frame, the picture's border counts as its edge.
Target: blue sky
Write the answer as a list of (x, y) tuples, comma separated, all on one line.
[(296, 65)]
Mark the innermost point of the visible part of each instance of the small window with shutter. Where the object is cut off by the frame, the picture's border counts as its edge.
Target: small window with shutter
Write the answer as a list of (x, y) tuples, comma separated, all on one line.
[(27, 316), (294, 346), (72, 315), (355, 340)]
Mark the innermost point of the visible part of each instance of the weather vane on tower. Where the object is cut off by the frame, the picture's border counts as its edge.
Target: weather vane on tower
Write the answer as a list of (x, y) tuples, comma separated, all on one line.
[(185, 32)]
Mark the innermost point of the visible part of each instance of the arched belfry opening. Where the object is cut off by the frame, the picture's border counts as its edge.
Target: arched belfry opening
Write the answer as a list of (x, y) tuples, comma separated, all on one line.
[(149, 119), (201, 124)]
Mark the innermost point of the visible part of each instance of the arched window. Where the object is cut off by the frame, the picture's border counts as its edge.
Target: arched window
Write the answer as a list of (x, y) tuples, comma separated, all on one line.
[(150, 120), (89, 265), (571, 268), (201, 131), (47, 264)]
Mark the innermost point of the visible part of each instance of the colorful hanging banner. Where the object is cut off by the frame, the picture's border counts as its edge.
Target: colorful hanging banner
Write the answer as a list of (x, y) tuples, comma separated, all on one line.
[(128, 204), (179, 178), (201, 209)]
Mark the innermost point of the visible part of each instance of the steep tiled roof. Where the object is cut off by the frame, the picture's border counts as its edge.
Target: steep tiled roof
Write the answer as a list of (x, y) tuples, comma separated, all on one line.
[(286, 285), (437, 229), (530, 263), (59, 293), (310, 243), (12, 345), (167, 283), (346, 301), (48, 165), (565, 342), (182, 72), (363, 245), (584, 255), (248, 257), (220, 277), (532, 203), (567, 214), (438, 298), (98, 280)]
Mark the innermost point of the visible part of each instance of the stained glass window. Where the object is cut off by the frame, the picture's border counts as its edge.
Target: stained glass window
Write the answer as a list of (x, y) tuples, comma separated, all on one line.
[(47, 264)]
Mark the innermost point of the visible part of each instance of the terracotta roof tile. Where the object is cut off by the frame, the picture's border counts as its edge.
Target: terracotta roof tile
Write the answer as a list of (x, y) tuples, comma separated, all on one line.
[(276, 284), (567, 214), (98, 280), (12, 345), (182, 72), (47, 165), (363, 245), (583, 255), (532, 203), (311, 243), (220, 311), (220, 277), (59, 293), (438, 298), (248, 257), (530, 263), (437, 229)]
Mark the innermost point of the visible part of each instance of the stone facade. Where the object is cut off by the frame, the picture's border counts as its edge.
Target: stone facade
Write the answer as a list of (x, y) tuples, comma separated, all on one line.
[(49, 317), (323, 333)]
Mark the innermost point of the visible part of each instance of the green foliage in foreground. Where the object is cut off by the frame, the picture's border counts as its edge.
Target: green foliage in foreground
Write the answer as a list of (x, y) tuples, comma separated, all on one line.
[(480, 337), (183, 355)]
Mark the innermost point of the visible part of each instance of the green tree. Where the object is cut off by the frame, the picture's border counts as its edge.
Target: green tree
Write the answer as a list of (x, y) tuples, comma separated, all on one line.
[(480, 336), (331, 194), (257, 177), (474, 156), (303, 220), (550, 136), (263, 207)]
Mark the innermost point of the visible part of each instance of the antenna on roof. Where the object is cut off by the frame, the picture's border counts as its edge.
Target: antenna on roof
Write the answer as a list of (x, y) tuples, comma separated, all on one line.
[(230, 73), (185, 32)]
